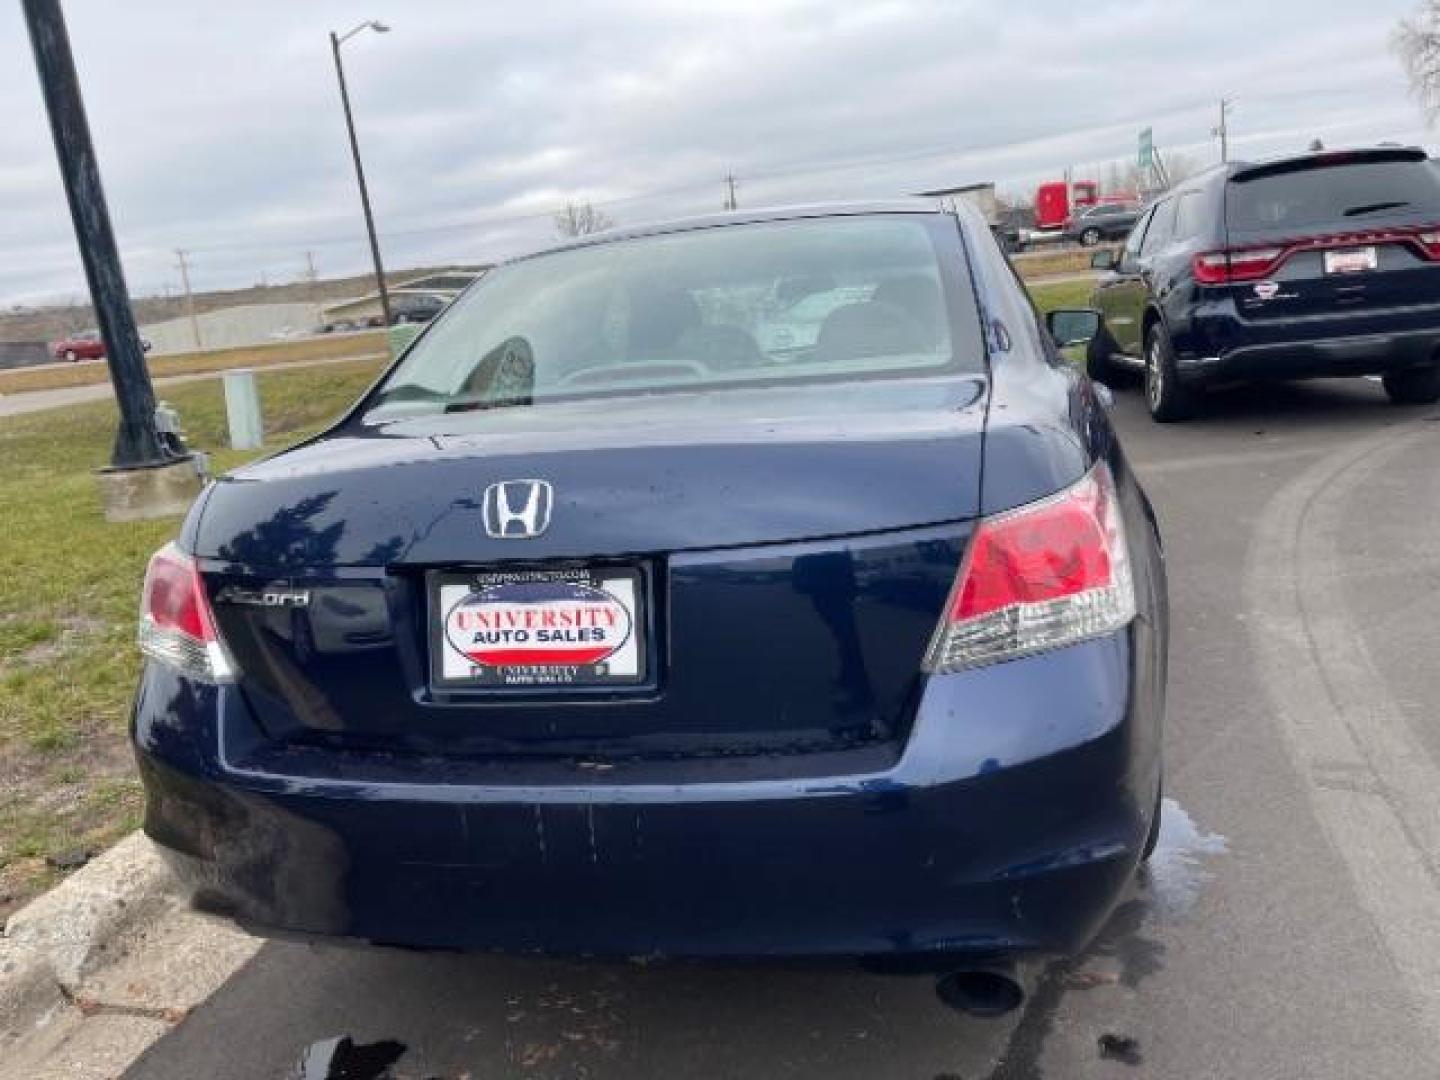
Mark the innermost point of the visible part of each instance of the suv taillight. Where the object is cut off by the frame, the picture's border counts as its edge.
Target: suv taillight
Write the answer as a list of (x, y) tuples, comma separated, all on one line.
[(177, 626), (1253, 264), (1223, 267), (1049, 574)]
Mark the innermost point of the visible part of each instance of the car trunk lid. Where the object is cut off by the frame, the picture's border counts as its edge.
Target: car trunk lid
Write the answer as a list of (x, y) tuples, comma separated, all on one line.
[(789, 553)]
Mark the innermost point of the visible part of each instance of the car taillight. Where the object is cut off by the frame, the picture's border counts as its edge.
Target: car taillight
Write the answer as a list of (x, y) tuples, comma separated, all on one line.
[(177, 626), (1430, 243), (1222, 267), (1046, 575)]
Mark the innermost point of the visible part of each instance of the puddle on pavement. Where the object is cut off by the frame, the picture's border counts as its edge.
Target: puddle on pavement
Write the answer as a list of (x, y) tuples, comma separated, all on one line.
[(1176, 872), (1122, 953)]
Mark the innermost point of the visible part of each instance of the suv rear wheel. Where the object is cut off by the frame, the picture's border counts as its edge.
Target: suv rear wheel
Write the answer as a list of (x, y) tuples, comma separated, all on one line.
[(1413, 386), (1168, 399), (1098, 364)]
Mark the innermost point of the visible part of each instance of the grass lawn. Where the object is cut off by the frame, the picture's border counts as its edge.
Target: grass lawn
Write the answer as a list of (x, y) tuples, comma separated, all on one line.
[(68, 607), (1065, 294)]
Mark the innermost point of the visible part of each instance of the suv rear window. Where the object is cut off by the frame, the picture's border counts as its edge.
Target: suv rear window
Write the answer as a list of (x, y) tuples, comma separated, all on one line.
[(825, 299), (1341, 193)]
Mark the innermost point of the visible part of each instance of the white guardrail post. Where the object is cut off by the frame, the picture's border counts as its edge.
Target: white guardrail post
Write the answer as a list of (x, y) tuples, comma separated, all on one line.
[(242, 410)]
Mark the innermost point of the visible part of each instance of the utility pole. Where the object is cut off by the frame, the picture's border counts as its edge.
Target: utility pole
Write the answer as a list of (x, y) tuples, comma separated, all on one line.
[(335, 42), (730, 203), (137, 443), (1222, 130), (312, 276), (189, 298)]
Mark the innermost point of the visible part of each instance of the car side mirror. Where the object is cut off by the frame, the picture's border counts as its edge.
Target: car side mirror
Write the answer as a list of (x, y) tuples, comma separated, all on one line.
[(1073, 326), (1103, 260)]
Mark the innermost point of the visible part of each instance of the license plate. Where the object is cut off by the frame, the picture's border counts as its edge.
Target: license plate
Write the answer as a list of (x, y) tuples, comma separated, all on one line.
[(1350, 260), (538, 628)]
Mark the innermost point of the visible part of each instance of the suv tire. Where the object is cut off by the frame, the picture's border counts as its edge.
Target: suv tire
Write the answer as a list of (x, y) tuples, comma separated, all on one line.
[(1168, 399), (1098, 364), (1413, 386)]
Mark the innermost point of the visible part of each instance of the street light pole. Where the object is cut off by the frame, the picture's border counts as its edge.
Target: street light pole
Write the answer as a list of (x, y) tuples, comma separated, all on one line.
[(137, 444), (336, 40)]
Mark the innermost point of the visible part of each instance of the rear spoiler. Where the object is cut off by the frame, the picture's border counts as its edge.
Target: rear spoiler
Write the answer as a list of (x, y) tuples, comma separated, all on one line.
[(1375, 156)]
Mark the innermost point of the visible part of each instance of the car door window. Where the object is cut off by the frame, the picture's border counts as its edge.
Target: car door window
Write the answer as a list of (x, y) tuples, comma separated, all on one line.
[(1130, 257), (1189, 215), (1162, 227)]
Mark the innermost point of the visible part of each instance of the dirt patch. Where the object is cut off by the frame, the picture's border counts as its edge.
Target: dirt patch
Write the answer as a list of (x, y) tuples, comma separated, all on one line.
[(80, 798), (74, 631), (21, 880)]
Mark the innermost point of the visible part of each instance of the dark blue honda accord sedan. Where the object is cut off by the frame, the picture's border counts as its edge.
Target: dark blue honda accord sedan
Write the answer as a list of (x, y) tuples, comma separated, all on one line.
[(755, 585)]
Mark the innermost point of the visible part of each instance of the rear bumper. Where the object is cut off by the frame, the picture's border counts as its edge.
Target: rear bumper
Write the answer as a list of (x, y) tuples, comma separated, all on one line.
[(1222, 347), (1010, 824)]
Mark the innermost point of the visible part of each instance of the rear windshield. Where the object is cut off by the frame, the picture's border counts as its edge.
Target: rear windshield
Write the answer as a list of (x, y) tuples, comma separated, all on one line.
[(826, 299), (1342, 194)]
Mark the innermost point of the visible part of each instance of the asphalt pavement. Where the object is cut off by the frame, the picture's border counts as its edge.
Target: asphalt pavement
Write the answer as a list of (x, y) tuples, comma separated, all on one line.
[(1289, 926)]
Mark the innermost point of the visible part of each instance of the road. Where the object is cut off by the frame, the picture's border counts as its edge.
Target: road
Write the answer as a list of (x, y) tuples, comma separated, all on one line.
[(1290, 927)]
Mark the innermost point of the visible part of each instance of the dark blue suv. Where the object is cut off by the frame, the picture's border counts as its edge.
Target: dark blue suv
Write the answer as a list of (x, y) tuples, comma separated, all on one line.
[(1327, 264)]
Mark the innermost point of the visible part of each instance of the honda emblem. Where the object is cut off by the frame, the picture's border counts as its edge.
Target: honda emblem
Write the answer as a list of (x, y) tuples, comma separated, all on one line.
[(517, 509)]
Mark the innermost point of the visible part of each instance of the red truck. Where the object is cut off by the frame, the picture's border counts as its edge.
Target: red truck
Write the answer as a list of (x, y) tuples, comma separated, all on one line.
[(1056, 202)]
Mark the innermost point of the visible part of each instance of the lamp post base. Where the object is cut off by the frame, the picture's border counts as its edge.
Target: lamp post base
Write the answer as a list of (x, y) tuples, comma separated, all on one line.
[(153, 491)]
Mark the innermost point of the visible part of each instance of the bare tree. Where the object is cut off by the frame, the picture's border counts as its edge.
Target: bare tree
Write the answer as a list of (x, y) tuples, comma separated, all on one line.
[(1180, 167), (581, 219), (1417, 42)]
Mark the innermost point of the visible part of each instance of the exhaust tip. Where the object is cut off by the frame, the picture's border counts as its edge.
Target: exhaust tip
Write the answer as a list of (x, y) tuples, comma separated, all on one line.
[(981, 992)]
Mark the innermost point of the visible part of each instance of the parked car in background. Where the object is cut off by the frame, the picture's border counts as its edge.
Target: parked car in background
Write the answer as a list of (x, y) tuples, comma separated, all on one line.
[(1324, 264), (609, 622), (1107, 221), (85, 345), (415, 307)]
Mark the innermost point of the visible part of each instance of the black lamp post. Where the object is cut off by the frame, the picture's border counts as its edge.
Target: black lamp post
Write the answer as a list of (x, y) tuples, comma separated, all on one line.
[(137, 444), (336, 40)]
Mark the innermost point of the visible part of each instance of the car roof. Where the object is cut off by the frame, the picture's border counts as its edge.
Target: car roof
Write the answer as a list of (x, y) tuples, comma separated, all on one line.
[(867, 208)]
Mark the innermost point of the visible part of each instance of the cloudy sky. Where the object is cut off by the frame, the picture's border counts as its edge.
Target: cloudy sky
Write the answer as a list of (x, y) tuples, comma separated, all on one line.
[(219, 130)]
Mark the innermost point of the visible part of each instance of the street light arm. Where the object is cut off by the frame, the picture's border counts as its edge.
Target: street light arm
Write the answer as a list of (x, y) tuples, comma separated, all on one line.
[(368, 24)]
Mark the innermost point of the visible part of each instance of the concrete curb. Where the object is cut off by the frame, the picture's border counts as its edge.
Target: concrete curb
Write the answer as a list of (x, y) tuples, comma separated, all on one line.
[(53, 942), (28, 991)]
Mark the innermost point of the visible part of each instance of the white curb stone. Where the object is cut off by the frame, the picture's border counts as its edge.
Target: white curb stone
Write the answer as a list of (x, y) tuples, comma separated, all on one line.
[(71, 928)]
